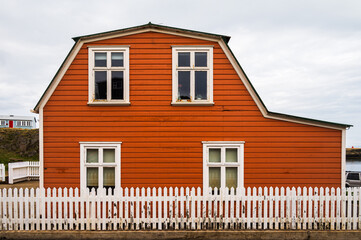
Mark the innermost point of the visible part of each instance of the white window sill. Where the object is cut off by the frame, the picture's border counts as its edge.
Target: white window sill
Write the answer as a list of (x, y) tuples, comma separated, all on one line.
[(109, 103), (192, 103)]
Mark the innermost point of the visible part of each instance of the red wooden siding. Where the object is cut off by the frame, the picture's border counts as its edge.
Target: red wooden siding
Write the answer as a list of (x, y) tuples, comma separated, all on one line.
[(162, 143)]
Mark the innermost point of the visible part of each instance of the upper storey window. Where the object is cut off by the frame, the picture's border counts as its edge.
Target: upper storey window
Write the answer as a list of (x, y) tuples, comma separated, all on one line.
[(109, 75), (192, 75)]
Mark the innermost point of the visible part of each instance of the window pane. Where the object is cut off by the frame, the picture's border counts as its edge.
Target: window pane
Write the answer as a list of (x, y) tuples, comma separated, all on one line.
[(231, 155), (117, 85), (100, 59), (184, 78), (92, 155), (109, 177), (184, 59), (231, 177), (201, 85), (109, 155), (117, 59), (92, 177), (353, 176), (201, 59), (100, 85), (214, 155), (214, 177)]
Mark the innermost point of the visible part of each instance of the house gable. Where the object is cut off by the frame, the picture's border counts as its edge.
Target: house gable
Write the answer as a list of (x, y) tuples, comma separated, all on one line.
[(220, 39)]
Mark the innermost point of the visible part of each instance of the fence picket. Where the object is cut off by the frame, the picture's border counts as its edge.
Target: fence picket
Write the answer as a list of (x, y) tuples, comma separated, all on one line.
[(154, 208), (15, 218), (327, 208), (277, 216), (282, 212), (187, 210), (332, 210), (354, 210), (31, 209), (338, 209), (310, 208), (288, 208), (200, 220), (165, 208), (248, 216), (259, 209), (321, 210), (359, 208), (343, 208), (143, 209), (265, 208), (299, 208), (349, 193), (159, 209), (271, 204), (26, 208), (171, 208), (226, 206)]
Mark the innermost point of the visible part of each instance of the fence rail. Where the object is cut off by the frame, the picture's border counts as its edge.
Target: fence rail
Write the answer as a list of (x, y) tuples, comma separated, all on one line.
[(173, 208), (2, 172), (20, 171)]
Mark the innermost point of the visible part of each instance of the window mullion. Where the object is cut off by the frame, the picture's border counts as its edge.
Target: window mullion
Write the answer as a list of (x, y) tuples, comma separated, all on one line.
[(192, 83), (223, 176), (223, 168), (100, 168), (109, 89), (192, 87), (100, 177)]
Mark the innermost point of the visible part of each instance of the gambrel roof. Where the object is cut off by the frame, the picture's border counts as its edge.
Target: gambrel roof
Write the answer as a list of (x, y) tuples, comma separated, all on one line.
[(222, 41)]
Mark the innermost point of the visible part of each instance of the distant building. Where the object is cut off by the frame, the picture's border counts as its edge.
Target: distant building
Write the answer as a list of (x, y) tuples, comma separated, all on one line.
[(12, 121)]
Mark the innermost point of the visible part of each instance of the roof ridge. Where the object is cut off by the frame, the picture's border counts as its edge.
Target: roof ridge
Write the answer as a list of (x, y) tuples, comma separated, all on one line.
[(152, 25)]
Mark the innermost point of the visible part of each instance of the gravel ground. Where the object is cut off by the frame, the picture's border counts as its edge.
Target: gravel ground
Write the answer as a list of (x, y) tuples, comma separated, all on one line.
[(24, 184)]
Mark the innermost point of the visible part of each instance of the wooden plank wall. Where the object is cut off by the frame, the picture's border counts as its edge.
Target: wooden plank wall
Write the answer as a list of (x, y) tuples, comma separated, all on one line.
[(162, 143)]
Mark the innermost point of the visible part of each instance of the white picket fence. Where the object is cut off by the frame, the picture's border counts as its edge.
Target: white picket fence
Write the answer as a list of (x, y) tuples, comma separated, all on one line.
[(163, 208), (20, 171), (2, 172)]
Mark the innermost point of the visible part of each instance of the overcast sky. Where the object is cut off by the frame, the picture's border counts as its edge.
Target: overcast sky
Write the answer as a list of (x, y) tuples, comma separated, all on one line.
[(303, 57)]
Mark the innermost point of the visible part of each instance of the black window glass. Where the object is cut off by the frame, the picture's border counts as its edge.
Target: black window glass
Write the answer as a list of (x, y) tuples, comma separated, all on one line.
[(184, 85), (117, 85), (100, 85), (201, 59), (353, 176), (100, 59), (184, 59), (117, 59), (200, 85)]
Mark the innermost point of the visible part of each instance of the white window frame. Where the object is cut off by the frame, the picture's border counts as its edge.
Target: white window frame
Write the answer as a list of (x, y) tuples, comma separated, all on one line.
[(91, 68), (83, 164), (223, 164), (192, 68), (2, 122)]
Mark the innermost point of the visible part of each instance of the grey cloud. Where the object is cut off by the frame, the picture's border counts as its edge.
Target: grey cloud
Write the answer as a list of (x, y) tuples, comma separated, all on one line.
[(303, 57)]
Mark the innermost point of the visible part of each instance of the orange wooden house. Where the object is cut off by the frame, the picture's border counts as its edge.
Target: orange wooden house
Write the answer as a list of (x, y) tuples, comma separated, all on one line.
[(156, 106)]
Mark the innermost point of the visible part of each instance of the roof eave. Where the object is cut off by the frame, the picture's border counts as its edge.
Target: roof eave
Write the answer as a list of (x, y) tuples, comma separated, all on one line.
[(309, 120)]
